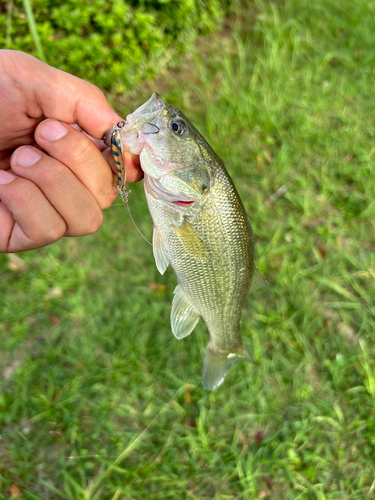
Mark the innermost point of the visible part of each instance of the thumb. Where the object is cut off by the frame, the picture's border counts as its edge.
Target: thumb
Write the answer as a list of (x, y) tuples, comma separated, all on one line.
[(52, 93)]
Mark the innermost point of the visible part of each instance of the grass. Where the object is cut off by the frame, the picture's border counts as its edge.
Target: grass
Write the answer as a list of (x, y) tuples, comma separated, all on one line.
[(32, 25), (99, 401)]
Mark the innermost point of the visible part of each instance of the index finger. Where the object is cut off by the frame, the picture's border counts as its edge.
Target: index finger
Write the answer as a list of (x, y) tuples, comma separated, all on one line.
[(52, 93)]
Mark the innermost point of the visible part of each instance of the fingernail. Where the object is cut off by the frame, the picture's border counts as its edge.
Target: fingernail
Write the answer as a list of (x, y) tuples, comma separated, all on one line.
[(6, 177), (52, 130), (25, 157)]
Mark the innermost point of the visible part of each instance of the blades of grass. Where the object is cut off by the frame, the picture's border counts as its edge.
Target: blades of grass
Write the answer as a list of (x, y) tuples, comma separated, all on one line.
[(116, 496), (51, 487), (34, 496), (370, 374), (336, 287), (131, 447), (33, 29), (8, 24)]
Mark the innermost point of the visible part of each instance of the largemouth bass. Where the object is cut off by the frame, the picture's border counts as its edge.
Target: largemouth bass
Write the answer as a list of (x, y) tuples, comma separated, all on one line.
[(200, 228)]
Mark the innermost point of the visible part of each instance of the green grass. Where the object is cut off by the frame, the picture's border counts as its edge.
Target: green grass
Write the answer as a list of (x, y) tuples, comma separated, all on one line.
[(32, 25), (100, 401)]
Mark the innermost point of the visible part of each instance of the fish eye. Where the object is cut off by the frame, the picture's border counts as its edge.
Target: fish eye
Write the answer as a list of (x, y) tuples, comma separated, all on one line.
[(178, 127)]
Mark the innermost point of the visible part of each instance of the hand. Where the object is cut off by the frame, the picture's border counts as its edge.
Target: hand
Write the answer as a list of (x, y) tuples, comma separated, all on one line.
[(54, 180)]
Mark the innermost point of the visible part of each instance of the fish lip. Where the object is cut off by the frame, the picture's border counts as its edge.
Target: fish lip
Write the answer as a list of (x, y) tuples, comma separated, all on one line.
[(153, 105), (184, 204), (161, 194), (107, 137), (135, 121), (144, 114)]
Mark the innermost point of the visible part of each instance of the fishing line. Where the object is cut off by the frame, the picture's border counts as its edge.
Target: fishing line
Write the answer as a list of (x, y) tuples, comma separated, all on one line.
[(118, 158), (135, 225), (131, 217)]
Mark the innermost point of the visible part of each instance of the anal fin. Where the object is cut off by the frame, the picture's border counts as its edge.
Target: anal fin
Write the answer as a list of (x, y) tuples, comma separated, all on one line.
[(160, 254), (183, 316), (217, 363)]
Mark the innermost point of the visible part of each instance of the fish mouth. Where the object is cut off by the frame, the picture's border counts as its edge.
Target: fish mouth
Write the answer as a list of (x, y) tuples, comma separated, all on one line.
[(156, 180), (137, 123), (154, 188), (183, 204), (147, 111)]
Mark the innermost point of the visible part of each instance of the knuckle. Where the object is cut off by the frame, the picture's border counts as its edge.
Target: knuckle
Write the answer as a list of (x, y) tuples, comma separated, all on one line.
[(53, 227), (55, 232), (94, 222), (96, 90), (25, 191), (54, 173), (87, 153), (108, 197)]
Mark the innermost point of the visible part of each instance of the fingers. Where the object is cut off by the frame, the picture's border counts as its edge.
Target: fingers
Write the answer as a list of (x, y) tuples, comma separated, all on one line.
[(52, 93), (62, 188), (27, 219), (66, 194), (58, 190), (39, 91), (75, 150), (134, 172)]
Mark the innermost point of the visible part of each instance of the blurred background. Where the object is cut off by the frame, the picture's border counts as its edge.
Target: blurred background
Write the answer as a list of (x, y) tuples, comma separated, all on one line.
[(98, 400)]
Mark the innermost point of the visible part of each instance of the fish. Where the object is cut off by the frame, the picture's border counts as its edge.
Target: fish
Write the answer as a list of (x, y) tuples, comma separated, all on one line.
[(201, 229)]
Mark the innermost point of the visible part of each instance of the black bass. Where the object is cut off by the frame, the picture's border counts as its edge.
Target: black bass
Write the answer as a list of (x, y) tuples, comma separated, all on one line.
[(200, 228)]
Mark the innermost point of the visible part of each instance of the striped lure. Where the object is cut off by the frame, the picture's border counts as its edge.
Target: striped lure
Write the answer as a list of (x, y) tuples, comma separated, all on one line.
[(118, 157)]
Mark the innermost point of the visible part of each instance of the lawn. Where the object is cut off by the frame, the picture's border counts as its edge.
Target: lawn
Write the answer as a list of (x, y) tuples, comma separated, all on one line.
[(98, 400)]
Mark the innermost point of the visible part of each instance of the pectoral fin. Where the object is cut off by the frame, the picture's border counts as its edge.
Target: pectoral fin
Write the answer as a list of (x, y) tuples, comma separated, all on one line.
[(217, 363), (193, 244), (160, 253), (258, 280), (183, 316)]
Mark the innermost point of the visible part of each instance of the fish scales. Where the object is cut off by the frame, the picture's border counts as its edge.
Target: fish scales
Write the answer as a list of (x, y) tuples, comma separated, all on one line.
[(200, 228), (219, 297)]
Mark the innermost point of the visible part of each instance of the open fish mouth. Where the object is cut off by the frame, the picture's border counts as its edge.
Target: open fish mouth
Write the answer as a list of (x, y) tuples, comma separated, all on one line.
[(184, 204), (147, 112), (155, 187), (139, 123)]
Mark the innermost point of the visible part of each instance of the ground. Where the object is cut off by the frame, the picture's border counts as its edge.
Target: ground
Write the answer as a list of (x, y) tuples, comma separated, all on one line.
[(98, 400)]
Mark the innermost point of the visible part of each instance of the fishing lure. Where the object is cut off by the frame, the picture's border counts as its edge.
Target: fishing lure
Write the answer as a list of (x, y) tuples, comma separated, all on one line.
[(118, 157), (112, 139)]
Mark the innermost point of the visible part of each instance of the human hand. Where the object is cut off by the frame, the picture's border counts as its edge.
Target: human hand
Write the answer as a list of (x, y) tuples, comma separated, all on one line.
[(54, 180)]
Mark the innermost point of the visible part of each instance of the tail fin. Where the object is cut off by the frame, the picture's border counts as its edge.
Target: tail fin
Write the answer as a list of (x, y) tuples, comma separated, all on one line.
[(217, 363)]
